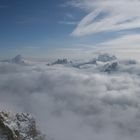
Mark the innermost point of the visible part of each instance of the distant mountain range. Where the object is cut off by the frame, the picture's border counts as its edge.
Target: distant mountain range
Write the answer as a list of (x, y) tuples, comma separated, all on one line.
[(103, 62)]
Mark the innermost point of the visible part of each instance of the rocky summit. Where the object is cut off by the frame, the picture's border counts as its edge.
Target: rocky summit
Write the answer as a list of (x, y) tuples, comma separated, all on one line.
[(18, 127)]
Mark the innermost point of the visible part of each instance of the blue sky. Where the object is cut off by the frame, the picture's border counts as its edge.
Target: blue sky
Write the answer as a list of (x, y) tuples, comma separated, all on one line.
[(36, 27)]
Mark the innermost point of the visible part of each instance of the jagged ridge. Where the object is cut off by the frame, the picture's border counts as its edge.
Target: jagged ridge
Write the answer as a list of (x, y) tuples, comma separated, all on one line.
[(18, 127)]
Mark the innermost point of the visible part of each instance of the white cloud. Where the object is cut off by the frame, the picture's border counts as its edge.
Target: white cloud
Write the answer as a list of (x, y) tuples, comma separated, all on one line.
[(118, 15), (127, 41), (68, 22), (78, 104), (124, 46)]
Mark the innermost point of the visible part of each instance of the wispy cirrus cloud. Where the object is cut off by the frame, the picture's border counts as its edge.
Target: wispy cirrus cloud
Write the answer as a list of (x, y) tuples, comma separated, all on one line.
[(128, 41), (68, 22), (125, 46), (109, 15)]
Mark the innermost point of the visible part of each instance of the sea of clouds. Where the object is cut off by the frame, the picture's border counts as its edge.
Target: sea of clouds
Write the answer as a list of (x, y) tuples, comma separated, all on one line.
[(76, 103)]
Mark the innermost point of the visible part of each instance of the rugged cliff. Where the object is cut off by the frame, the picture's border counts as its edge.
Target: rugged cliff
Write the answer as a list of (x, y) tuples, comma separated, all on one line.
[(18, 127)]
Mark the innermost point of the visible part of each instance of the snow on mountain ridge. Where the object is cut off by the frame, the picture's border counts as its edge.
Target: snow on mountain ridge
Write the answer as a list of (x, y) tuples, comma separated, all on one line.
[(106, 57), (18, 127)]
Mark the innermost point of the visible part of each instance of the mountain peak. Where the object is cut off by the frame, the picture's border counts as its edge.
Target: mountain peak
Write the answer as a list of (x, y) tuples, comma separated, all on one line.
[(18, 59), (106, 57)]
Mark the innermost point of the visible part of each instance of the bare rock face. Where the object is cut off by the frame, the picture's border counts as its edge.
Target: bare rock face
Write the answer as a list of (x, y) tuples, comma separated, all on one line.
[(18, 127)]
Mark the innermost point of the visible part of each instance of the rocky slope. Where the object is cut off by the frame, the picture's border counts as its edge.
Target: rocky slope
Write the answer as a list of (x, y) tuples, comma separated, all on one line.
[(18, 127)]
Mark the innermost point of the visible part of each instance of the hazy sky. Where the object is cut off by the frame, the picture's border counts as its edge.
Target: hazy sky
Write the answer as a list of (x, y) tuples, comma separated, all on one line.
[(36, 27)]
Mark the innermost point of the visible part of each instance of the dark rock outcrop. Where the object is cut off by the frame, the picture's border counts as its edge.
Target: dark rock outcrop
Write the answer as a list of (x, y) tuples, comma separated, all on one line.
[(18, 127)]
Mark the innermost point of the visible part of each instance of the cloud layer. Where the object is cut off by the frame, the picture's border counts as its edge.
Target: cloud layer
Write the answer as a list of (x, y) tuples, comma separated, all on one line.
[(78, 104)]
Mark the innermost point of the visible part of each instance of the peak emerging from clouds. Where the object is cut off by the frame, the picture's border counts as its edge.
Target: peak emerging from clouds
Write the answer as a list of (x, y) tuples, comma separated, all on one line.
[(18, 59), (103, 63)]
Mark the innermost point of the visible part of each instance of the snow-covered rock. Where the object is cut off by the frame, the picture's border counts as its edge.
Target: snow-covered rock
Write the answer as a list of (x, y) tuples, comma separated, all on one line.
[(103, 60), (106, 57), (18, 127), (18, 60), (61, 62), (110, 67)]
